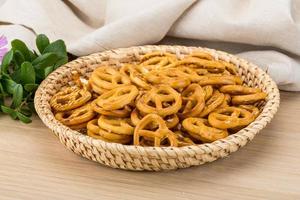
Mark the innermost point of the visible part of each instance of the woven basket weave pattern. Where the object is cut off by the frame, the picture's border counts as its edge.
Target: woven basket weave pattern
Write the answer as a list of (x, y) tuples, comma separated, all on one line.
[(152, 158)]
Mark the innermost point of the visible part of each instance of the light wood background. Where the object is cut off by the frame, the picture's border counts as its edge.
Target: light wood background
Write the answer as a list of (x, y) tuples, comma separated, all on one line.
[(34, 165)]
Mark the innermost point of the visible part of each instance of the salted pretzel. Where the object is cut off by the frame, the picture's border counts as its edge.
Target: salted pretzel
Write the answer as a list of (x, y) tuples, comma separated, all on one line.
[(248, 99), (108, 78), (238, 89), (171, 120), (213, 102), (70, 98), (160, 133), (76, 116), (117, 98), (116, 125), (193, 101), (162, 100), (199, 129), (230, 117)]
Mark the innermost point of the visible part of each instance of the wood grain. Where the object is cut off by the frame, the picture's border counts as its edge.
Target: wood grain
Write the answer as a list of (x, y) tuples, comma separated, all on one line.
[(34, 165)]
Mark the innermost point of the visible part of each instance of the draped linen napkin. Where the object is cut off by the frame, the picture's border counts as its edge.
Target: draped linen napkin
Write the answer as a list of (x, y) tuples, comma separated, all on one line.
[(264, 32)]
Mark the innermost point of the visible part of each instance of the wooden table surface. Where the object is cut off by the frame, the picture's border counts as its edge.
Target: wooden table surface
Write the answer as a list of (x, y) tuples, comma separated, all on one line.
[(34, 165)]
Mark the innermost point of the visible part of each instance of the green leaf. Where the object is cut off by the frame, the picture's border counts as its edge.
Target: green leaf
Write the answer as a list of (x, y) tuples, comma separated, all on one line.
[(23, 118), (27, 73), (30, 87), (48, 70), (9, 111), (45, 60), (17, 96), (9, 85), (57, 47), (21, 46), (18, 59), (16, 76), (42, 42), (61, 61), (8, 57), (26, 111)]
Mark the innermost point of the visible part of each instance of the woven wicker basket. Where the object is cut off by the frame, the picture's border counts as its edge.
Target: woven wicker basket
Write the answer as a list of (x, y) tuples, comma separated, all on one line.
[(152, 158)]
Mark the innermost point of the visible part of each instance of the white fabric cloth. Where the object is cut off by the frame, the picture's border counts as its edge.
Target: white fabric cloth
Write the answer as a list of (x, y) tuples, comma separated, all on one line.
[(265, 32)]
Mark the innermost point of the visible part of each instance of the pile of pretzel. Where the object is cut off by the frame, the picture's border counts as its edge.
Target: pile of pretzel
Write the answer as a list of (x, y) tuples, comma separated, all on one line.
[(160, 100)]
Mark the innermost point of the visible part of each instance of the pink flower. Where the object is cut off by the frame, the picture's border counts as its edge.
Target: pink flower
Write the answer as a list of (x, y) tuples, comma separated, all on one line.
[(3, 49)]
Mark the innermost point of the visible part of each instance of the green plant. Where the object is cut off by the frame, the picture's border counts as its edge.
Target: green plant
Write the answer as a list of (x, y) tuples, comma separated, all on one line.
[(22, 70)]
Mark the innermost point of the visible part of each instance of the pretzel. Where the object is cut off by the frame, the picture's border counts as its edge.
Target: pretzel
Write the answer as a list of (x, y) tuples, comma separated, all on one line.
[(108, 78), (116, 125), (230, 67), (157, 54), (248, 99), (162, 100), (117, 98), (199, 129), (157, 135), (230, 117), (183, 141), (214, 101), (208, 90), (171, 120), (226, 101), (201, 55), (135, 76), (76, 116), (192, 101), (202, 63), (124, 112), (94, 131), (238, 89), (69, 98), (252, 109), (216, 80), (78, 127), (170, 77)]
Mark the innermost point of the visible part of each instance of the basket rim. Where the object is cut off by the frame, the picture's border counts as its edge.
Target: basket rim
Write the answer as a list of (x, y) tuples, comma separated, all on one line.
[(269, 109)]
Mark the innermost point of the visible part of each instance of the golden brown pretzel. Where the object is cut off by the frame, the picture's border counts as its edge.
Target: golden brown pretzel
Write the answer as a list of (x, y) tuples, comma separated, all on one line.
[(226, 101), (214, 101), (208, 90), (216, 80), (199, 129), (157, 54), (248, 99), (116, 125), (170, 76), (162, 100), (160, 133), (193, 101), (124, 112), (135, 76), (171, 120), (182, 140), (202, 63), (239, 89), (108, 78), (70, 98), (230, 67), (76, 116), (201, 55), (230, 117), (117, 98), (252, 109)]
